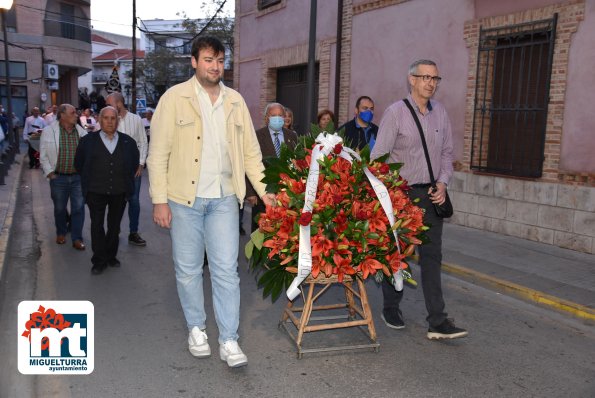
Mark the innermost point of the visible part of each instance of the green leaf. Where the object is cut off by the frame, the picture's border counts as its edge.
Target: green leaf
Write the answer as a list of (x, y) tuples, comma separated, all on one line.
[(257, 237), (248, 249)]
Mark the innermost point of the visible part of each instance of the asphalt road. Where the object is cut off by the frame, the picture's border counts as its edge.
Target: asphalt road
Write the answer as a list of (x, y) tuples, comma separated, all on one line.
[(514, 348)]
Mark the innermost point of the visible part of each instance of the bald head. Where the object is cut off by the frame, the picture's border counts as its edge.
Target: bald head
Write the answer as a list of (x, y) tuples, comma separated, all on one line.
[(116, 100), (108, 119)]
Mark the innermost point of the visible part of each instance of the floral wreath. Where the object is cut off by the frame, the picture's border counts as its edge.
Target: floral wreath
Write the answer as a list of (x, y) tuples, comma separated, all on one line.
[(332, 214)]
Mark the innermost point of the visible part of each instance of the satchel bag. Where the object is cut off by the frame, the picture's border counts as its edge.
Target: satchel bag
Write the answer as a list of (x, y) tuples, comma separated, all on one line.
[(444, 210)]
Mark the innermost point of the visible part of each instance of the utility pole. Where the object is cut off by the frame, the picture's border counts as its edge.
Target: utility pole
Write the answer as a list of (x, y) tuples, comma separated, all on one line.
[(133, 100), (311, 66)]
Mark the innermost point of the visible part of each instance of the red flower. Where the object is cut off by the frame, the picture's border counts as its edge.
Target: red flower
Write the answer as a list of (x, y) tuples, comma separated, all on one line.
[(276, 244), (404, 185), (342, 267), (306, 218), (321, 245), (301, 164), (369, 266), (350, 230), (341, 221)]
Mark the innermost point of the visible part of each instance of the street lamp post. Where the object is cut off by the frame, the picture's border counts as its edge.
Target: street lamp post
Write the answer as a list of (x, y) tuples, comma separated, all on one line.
[(6, 5)]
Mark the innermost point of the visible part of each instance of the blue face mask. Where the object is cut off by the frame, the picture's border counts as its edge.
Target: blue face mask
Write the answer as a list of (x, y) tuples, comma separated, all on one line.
[(366, 116), (276, 122)]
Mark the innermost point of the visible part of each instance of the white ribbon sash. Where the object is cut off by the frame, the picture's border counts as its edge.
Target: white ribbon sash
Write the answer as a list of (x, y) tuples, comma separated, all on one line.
[(325, 144)]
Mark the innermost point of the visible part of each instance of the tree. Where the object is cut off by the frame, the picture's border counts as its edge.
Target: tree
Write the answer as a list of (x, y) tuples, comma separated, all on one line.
[(219, 25), (168, 65), (162, 68)]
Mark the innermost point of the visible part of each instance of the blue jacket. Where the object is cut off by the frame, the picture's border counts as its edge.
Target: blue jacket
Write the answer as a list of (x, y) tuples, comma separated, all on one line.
[(354, 135)]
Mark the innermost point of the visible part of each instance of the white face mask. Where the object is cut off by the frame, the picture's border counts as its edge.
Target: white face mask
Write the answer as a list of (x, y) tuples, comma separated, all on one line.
[(276, 122)]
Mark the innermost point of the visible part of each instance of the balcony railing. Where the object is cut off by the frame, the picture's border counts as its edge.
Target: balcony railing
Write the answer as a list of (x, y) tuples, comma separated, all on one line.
[(100, 77), (67, 30)]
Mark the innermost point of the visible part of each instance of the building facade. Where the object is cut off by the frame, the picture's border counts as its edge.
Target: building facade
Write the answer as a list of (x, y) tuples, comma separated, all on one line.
[(516, 78), (168, 44), (49, 48)]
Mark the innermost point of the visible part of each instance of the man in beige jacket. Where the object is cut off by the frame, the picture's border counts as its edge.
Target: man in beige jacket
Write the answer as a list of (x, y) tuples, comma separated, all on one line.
[(202, 145)]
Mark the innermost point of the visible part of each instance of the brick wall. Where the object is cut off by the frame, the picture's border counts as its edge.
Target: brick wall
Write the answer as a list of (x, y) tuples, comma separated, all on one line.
[(570, 14), (559, 208)]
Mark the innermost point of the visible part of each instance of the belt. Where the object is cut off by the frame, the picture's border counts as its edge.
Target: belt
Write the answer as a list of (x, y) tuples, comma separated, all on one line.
[(421, 185), (63, 174)]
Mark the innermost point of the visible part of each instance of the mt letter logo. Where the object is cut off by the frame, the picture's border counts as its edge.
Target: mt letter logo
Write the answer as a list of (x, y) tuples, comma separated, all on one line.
[(56, 337)]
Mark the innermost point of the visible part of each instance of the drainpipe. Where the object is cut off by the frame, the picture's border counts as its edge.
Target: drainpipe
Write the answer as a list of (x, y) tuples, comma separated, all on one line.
[(311, 65), (338, 58)]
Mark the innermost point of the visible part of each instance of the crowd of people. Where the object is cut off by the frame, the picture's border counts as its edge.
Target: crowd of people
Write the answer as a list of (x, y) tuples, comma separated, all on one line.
[(205, 162)]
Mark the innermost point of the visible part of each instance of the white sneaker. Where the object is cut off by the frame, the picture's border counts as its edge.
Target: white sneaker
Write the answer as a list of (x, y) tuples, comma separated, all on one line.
[(231, 352), (198, 344)]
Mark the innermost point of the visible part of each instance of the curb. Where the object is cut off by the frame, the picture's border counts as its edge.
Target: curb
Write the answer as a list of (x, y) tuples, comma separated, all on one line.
[(7, 226), (520, 291)]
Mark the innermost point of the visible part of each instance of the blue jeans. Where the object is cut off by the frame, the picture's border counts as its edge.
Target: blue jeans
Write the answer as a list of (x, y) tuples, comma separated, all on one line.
[(211, 224), (134, 205), (64, 187)]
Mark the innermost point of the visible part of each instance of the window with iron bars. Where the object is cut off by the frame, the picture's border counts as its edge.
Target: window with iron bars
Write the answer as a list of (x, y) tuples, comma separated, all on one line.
[(511, 98), (262, 4)]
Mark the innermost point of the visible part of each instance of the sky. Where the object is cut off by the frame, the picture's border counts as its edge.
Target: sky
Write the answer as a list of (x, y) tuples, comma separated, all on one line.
[(105, 19)]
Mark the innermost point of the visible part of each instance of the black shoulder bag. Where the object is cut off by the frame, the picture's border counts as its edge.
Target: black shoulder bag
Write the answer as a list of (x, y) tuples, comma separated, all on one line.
[(445, 209)]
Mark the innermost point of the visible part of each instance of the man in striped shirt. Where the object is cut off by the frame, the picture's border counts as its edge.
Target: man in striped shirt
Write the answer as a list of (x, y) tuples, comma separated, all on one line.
[(131, 124), (399, 136)]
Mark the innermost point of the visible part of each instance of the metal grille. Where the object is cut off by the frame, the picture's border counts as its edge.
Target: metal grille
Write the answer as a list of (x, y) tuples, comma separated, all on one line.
[(511, 98), (262, 4), (291, 92)]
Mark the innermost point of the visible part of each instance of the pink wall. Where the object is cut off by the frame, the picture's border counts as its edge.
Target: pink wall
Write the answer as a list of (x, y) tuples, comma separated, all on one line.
[(409, 32), (490, 8), (250, 89), (287, 28), (578, 134)]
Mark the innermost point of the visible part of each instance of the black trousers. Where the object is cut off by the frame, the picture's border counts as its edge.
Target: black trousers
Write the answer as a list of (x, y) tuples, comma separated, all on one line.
[(105, 245), (430, 261), (33, 161)]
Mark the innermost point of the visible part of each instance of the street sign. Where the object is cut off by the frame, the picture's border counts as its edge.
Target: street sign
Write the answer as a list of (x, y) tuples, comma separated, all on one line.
[(141, 105)]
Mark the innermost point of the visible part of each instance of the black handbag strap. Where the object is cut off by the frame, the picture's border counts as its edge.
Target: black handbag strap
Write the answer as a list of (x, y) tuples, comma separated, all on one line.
[(423, 140)]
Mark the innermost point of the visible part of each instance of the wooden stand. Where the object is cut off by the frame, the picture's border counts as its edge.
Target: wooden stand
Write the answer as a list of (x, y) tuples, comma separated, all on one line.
[(357, 315)]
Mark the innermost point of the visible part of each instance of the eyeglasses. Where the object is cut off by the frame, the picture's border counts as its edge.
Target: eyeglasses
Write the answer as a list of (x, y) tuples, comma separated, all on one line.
[(427, 78)]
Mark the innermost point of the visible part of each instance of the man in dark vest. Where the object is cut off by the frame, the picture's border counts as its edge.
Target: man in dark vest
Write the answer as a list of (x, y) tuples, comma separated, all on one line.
[(107, 161)]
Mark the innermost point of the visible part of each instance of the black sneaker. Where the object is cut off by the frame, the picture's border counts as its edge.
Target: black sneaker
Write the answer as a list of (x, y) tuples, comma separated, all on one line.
[(135, 239), (393, 319), (98, 269), (114, 262), (446, 330)]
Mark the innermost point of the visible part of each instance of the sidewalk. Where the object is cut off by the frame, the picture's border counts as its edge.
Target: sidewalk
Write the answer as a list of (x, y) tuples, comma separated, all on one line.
[(548, 275), (8, 198)]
